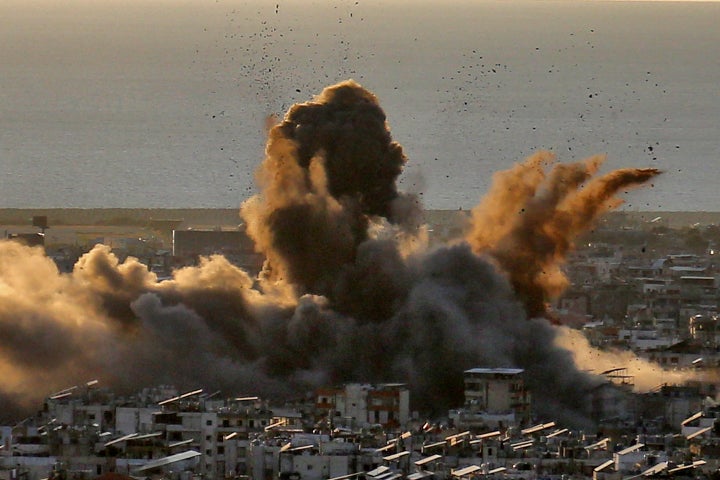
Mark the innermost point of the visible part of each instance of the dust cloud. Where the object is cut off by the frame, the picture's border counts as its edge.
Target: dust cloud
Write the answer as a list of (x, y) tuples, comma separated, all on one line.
[(350, 292)]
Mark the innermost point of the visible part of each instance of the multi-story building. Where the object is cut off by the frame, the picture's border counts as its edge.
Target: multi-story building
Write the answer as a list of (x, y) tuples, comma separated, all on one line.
[(219, 430), (91, 431), (358, 405), (497, 396)]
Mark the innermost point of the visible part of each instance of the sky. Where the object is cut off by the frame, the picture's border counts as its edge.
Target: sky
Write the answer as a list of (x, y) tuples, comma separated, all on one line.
[(159, 103)]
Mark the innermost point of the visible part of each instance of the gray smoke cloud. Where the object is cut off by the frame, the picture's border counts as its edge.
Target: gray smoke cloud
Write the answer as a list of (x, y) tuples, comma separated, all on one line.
[(342, 298)]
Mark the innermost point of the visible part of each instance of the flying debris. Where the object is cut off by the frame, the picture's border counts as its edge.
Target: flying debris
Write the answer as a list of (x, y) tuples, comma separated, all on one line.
[(535, 216), (331, 166), (349, 290)]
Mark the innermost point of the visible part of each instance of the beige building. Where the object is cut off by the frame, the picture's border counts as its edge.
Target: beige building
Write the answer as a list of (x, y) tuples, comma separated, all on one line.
[(497, 393), (359, 405)]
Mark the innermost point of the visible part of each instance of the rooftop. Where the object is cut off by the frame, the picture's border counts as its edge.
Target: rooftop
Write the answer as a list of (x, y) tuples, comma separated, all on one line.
[(493, 371)]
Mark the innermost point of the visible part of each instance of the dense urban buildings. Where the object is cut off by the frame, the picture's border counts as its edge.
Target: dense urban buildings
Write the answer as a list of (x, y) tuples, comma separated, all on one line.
[(643, 285)]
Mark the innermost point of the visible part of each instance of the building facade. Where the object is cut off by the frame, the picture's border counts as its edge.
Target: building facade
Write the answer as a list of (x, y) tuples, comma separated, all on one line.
[(359, 405)]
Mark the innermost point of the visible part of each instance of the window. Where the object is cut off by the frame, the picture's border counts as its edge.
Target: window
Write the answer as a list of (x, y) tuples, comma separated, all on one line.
[(221, 450), (209, 423)]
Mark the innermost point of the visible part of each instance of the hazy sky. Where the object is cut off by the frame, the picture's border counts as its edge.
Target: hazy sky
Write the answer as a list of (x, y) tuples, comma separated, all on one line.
[(162, 102)]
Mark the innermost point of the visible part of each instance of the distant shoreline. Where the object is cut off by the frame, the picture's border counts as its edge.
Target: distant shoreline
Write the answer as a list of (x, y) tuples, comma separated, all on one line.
[(121, 216), (231, 216)]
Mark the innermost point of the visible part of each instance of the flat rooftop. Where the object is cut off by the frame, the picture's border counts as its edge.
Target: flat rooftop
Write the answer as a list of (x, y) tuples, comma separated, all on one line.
[(496, 371)]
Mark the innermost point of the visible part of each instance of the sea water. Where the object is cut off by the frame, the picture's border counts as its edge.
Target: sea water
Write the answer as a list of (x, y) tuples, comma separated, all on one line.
[(154, 104)]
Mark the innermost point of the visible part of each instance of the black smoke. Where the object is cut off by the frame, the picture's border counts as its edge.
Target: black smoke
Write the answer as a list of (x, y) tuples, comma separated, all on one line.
[(348, 293)]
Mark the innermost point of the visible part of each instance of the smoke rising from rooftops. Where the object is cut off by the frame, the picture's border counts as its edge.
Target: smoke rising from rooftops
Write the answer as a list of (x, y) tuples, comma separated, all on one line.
[(341, 298)]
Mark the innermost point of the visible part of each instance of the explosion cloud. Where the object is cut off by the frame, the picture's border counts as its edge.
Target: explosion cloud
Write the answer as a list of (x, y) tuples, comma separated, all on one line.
[(330, 165), (340, 298), (529, 220)]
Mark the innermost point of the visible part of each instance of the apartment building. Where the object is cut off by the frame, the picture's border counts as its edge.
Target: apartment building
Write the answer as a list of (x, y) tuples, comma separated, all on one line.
[(358, 405), (494, 397)]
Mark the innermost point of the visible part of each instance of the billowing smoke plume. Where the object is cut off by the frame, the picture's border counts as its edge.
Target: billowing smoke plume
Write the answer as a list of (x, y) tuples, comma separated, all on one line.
[(330, 166), (529, 220), (341, 298)]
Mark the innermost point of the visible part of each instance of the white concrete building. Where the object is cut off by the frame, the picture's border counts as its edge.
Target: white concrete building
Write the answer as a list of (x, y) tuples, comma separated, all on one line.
[(134, 419)]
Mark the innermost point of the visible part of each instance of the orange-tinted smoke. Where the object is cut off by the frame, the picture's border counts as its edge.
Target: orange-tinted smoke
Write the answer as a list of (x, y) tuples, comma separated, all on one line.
[(530, 218), (330, 165), (373, 314)]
